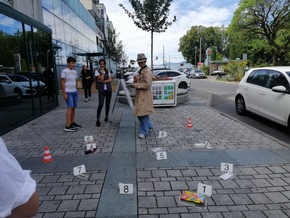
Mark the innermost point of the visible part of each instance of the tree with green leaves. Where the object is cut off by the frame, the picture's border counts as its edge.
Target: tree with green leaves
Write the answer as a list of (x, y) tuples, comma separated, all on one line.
[(150, 16), (262, 29), (209, 37), (114, 47)]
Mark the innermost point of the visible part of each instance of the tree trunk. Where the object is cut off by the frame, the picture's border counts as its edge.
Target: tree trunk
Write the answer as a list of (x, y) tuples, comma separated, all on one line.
[(151, 49)]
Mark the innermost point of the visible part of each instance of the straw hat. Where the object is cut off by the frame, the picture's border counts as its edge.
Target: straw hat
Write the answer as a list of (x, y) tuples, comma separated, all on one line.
[(141, 57)]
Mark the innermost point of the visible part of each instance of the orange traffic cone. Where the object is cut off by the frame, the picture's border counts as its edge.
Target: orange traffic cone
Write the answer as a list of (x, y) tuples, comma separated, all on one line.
[(189, 123), (47, 156)]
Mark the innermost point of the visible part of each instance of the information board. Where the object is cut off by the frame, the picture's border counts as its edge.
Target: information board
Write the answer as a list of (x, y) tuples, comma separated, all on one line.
[(164, 93)]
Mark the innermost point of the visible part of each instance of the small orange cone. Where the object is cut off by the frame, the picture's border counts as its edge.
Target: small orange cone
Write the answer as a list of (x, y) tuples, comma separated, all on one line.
[(189, 123), (47, 156)]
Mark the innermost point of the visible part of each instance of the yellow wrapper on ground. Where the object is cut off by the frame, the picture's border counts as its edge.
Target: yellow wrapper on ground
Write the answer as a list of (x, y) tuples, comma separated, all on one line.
[(193, 197)]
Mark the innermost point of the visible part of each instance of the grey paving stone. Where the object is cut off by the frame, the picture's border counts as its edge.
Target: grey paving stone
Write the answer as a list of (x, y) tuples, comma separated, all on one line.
[(93, 189), (174, 173), (88, 204), (237, 208), (221, 200), (90, 214), (254, 214), (241, 199), (82, 196), (142, 211), (277, 182), (147, 202), (278, 206), (233, 215), (180, 185), (275, 214), (177, 210), (145, 186), (59, 190), (68, 205), (162, 186), (54, 215), (257, 207), (212, 215), (157, 193), (158, 211), (76, 189), (167, 201), (50, 179), (259, 198), (65, 178), (261, 183), (159, 173), (143, 174), (217, 208), (276, 197), (194, 215), (63, 197), (49, 206), (245, 183), (169, 216), (277, 169), (75, 214), (42, 190)]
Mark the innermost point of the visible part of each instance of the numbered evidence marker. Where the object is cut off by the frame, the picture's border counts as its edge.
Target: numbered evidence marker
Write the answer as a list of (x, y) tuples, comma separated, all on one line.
[(89, 138), (207, 145), (125, 189), (204, 189), (159, 153), (79, 170), (162, 134), (91, 146), (228, 168)]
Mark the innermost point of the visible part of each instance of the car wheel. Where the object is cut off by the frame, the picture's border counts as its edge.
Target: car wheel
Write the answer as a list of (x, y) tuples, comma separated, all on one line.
[(182, 85), (240, 105), (18, 91)]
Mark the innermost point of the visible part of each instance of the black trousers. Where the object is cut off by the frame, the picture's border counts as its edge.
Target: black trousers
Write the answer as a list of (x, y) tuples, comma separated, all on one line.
[(87, 86), (102, 96)]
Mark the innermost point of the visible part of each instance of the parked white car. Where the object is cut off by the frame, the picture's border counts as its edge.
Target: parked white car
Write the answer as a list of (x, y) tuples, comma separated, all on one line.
[(19, 84), (182, 80), (265, 92)]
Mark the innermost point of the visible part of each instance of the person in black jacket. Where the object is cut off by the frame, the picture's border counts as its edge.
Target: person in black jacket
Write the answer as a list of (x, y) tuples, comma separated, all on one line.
[(87, 79), (103, 85)]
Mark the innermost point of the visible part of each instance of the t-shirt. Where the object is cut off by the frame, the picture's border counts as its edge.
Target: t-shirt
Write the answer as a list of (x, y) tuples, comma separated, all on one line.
[(70, 77), (16, 184), (97, 73)]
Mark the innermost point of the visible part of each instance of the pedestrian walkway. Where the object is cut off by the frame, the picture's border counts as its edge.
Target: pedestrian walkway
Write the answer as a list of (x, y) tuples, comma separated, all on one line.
[(260, 187)]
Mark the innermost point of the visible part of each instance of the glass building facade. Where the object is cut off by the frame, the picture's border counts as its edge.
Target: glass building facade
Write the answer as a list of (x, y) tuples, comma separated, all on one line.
[(73, 31), (25, 51)]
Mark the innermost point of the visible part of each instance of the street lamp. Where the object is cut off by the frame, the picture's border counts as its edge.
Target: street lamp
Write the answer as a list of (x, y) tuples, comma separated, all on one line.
[(195, 48)]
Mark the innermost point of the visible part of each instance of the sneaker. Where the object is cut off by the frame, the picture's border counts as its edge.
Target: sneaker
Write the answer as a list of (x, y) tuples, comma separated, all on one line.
[(86, 100), (141, 136), (106, 119), (74, 125), (70, 129), (98, 124)]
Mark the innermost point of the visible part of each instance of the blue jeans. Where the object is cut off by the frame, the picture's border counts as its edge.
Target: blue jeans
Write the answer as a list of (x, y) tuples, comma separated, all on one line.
[(72, 99), (145, 124)]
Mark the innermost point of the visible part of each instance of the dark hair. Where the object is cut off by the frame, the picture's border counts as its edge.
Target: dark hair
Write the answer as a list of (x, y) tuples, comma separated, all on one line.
[(71, 59), (102, 60)]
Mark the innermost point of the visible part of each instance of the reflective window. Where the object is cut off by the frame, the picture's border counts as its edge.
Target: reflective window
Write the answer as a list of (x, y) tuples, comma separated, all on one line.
[(258, 77), (24, 52)]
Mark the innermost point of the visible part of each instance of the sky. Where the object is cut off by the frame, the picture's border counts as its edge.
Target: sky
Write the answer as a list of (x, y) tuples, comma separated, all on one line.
[(188, 13)]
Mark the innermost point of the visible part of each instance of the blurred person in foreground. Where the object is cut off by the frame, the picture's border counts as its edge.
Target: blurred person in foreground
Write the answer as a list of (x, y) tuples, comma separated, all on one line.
[(18, 195), (143, 97)]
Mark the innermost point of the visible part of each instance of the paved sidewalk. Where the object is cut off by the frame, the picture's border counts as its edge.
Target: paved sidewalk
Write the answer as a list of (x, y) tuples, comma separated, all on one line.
[(260, 187)]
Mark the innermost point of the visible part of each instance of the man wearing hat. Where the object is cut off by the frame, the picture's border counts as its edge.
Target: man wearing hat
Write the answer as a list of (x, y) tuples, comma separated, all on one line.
[(143, 97)]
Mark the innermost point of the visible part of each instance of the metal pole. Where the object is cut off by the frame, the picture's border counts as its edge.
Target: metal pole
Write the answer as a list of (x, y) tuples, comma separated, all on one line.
[(199, 49)]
